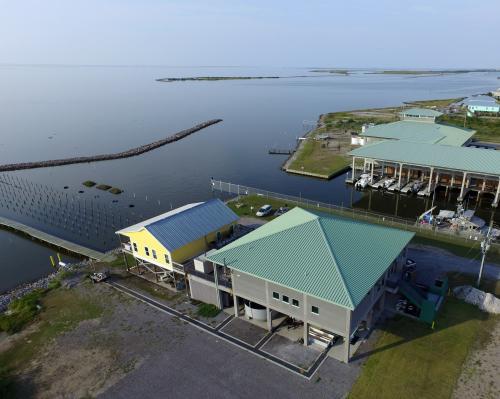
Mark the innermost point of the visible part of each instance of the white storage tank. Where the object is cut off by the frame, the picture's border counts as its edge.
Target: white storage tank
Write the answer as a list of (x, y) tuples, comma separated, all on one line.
[(255, 311)]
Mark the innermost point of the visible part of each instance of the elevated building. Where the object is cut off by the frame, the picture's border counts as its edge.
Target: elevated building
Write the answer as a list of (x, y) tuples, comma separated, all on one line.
[(162, 245), (309, 266)]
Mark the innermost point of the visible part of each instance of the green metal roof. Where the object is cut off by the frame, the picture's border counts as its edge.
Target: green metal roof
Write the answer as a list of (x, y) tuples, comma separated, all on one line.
[(421, 112), (464, 159), (331, 258), (421, 132)]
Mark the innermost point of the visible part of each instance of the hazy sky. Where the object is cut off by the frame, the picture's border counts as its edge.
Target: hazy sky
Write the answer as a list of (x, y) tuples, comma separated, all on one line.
[(355, 33)]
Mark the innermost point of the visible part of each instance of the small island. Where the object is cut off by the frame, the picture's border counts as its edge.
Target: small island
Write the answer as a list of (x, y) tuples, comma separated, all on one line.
[(332, 71), (428, 72), (215, 78)]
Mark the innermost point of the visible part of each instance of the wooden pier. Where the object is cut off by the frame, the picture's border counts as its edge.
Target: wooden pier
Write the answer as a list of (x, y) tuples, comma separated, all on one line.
[(52, 240), (277, 151)]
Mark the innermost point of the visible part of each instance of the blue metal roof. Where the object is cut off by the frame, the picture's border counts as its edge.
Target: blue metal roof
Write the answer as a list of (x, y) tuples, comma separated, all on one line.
[(180, 228)]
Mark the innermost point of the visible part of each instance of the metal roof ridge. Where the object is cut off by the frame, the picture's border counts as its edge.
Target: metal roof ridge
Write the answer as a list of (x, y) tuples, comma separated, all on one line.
[(342, 279), (223, 249)]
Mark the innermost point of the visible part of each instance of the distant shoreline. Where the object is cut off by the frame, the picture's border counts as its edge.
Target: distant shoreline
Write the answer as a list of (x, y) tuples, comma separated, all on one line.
[(217, 78)]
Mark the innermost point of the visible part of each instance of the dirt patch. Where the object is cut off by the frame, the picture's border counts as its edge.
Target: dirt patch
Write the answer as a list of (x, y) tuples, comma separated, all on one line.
[(94, 354), (480, 377)]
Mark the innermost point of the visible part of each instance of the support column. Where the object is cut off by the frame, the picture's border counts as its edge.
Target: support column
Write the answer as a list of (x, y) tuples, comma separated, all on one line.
[(430, 181), (400, 174), (461, 197), (236, 306), (484, 184), (306, 333), (269, 319), (347, 337), (353, 168), (495, 202), (373, 165), (395, 171)]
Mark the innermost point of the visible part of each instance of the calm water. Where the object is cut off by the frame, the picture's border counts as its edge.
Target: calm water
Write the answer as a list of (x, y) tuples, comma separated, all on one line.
[(52, 112)]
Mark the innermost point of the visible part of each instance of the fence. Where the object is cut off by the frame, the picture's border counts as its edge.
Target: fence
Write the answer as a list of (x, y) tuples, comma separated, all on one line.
[(239, 190)]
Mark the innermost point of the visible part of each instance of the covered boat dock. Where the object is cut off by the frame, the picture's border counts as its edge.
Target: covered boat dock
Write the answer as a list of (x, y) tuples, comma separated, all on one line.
[(463, 168)]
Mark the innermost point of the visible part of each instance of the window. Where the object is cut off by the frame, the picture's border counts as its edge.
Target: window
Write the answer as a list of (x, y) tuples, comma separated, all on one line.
[(285, 299), (295, 303), (135, 246), (146, 249), (314, 309), (276, 295), (154, 254), (167, 259)]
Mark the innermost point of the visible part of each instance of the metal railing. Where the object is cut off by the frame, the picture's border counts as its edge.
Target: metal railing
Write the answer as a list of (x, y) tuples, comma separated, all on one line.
[(239, 190)]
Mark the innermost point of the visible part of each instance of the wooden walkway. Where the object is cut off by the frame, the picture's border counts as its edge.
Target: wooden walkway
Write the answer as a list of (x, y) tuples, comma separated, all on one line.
[(53, 240)]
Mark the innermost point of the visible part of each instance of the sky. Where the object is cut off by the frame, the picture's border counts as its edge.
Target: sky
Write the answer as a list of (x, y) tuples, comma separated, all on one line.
[(314, 33)]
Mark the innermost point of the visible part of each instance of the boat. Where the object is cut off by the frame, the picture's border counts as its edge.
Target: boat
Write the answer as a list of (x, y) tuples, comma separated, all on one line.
[(389, 182), (380, 183), (466, 222), (394, 187), (417, 186), (363, 181), (444, 217), (407, 188), (422, 190)]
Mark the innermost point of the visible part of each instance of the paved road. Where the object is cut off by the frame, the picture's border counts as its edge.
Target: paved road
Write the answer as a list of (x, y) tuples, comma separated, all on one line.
[(438, 259)]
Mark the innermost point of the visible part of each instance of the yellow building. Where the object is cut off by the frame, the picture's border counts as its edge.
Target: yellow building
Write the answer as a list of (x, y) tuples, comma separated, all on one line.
[(163, 244)]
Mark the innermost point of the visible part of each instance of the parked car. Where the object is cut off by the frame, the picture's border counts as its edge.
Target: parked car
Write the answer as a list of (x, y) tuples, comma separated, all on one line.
[(264, 211), (281, 210)]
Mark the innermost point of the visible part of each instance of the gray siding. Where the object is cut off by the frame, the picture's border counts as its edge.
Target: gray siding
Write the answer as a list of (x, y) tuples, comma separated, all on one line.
[(287, 308), (331, 317), (249, 287), (202, 290)]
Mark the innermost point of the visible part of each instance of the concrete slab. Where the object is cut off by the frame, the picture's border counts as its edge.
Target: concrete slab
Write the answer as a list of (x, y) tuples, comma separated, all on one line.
[(292, 351), (244, 331)]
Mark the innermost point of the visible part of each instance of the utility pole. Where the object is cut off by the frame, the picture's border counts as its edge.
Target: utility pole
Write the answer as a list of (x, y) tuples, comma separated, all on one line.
[(485, 246)]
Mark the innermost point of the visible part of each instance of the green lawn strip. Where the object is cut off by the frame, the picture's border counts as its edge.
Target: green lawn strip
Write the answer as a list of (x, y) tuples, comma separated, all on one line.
[(411, 360), (61, 311), (445, 102), (456, 245), (487, 128), (207, 310)]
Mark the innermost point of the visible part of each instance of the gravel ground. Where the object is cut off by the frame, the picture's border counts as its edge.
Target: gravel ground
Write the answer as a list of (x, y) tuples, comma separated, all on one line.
[(134, 350)]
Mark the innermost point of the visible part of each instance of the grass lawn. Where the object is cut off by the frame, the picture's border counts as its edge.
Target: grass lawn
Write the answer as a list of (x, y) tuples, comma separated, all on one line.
[(61, 310), (488, 128), (207, 310), (312, 158), (435, 103), (410, 360)]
